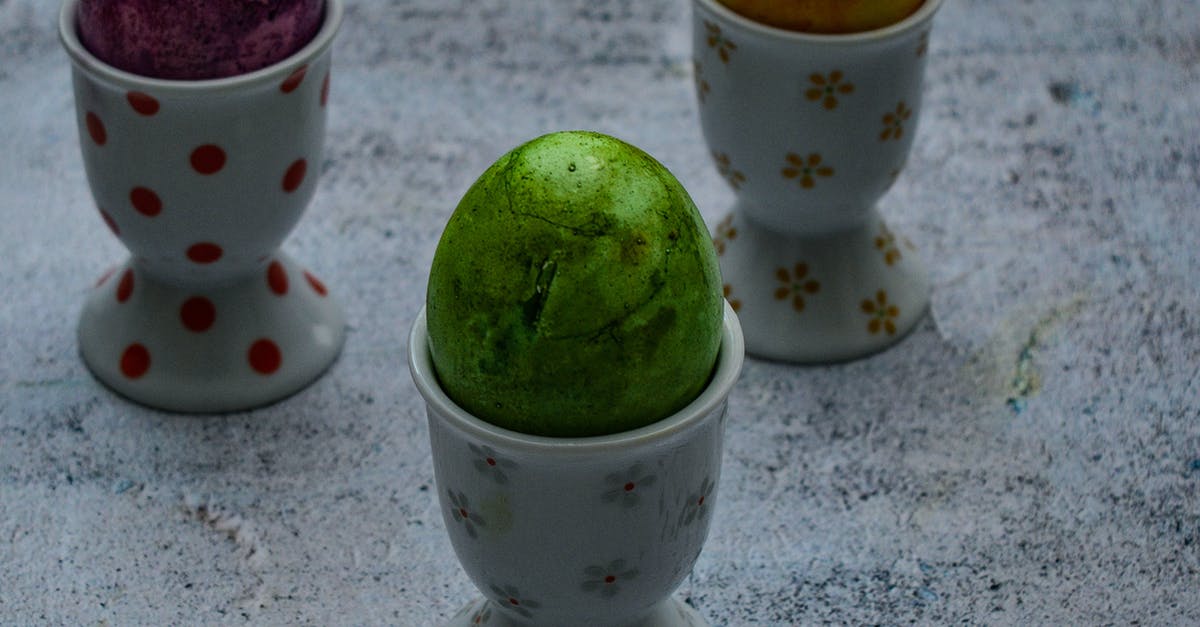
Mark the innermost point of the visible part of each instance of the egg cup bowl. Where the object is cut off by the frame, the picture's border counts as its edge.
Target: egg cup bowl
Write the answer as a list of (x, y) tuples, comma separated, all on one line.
[(810, 130), (578, 531), (202, 181)]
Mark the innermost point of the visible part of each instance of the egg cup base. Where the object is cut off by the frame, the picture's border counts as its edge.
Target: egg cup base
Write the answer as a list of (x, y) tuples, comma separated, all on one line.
[(218, 349), (821, 297)]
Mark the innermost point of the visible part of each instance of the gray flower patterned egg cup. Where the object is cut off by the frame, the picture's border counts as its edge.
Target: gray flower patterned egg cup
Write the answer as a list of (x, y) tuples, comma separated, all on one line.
[(202, 181), (810, 131), (578, 531)]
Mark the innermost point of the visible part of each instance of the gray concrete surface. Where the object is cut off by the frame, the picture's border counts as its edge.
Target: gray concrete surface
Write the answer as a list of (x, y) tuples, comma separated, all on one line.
[(1029, 455)]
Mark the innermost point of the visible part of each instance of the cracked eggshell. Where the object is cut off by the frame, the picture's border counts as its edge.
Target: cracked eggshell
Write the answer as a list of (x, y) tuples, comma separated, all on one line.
[(575, 291)]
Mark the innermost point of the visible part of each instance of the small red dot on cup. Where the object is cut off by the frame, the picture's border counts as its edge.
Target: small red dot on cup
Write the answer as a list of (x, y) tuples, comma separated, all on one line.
[(204, 252), (277, 278), (315, 284), (142, 102), (264, 356), (125, 287), (112, 224), (145, 201), (208, 159), (325, 90), (198, 314), (294, 177), (293, 80), (95, 128), (135, 361), (104, 277)]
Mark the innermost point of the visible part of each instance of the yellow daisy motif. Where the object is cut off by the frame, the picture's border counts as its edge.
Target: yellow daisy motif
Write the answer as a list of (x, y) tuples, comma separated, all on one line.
[(726, 169), (796, 284), (806, 169), (717, 41), (734, 303), (826, 88), (724, 233), (893, 122), (883, 315), (885, 242)]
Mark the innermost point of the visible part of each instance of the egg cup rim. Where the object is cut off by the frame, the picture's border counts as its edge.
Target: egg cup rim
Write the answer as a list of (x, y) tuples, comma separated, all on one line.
[(725, 374), (914, 20), (83, 58)]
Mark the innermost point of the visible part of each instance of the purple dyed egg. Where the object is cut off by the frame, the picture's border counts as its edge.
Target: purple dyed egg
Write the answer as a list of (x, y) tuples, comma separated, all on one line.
[(196, 39)]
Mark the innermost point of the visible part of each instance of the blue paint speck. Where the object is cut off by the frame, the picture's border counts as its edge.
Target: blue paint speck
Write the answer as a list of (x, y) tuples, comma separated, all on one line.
[(1196, 464), (926, 568), (1071, 94), (1017, 405), (122, 486), (927, 595)]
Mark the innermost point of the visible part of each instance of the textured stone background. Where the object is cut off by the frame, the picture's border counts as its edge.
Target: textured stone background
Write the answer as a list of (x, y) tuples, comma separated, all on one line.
[(1031, 454)]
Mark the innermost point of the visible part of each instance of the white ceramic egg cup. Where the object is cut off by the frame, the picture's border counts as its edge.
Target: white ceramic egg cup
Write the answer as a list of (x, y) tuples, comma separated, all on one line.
[(202, 181), (810, 131), (593, 531)]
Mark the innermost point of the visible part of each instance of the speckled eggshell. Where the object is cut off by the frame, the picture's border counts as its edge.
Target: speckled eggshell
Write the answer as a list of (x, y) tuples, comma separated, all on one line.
[(575, 291), (196, 39)]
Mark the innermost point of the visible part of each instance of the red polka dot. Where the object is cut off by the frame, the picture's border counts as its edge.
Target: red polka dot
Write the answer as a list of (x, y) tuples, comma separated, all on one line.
[(294, 176), (95, 128), (112, 224), (208, 159), (145, 201), (104, 277), (277, 278), (135, 361), (143, 103), (125, 287), (293, 81), (325, 90), (610, 579), (629, 486), (198, 314), (316, 284), (264, 356), (204, 252)]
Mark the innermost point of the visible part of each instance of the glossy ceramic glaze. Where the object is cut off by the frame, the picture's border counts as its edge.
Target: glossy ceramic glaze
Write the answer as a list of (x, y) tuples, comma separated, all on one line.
[(810, 131), (578, 531), (202, 181)]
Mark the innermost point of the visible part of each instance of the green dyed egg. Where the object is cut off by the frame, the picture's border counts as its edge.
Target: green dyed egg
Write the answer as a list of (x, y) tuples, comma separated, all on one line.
[(575, 291)]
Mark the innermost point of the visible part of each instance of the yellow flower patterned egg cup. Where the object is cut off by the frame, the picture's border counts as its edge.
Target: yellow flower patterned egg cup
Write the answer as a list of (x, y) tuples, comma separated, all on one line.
[(811, 131)]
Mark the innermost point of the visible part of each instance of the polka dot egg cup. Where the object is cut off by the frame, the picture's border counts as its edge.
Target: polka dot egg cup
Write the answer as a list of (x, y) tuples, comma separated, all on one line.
[(591, 531), (811, 131), (202, 181)]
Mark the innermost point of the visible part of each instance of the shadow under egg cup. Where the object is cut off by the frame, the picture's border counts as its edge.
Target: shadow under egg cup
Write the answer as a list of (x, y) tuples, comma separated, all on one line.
[(578, 531), (202, 181), (810, 130)]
